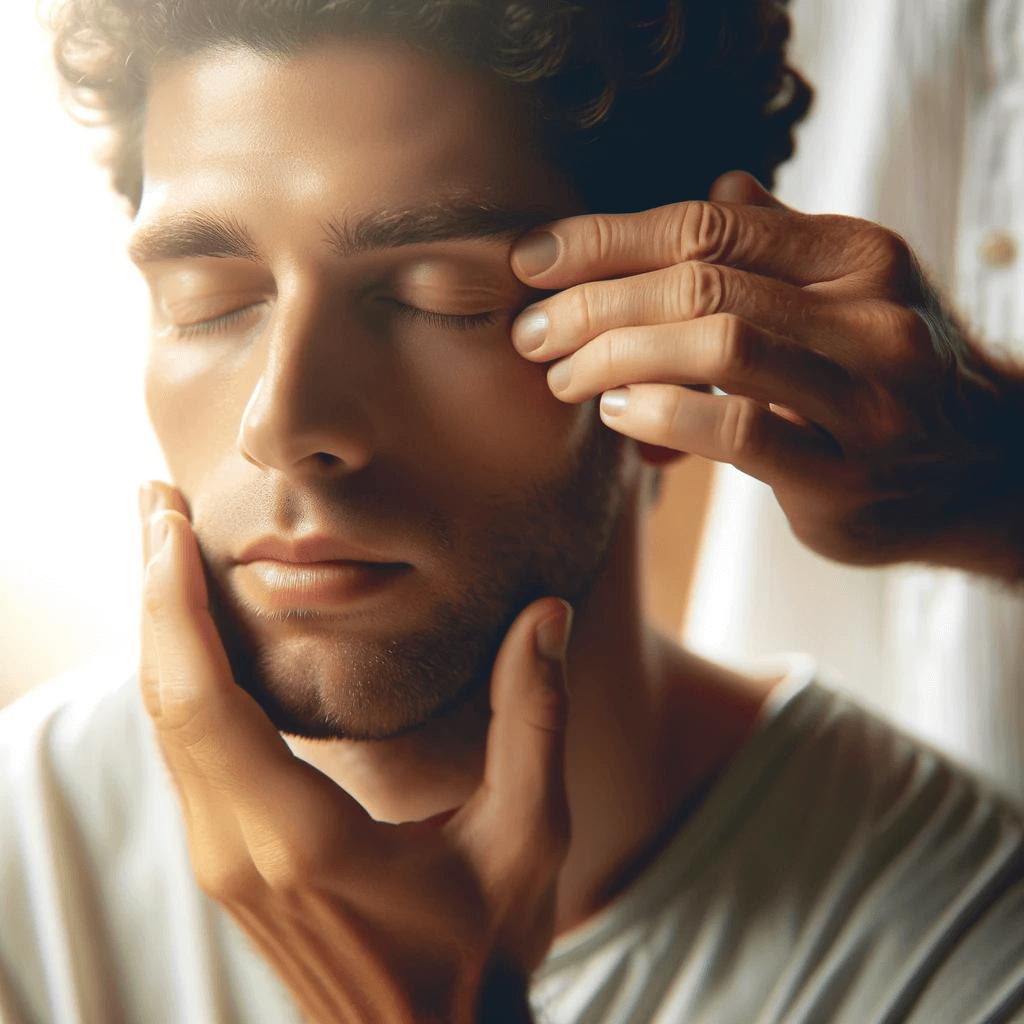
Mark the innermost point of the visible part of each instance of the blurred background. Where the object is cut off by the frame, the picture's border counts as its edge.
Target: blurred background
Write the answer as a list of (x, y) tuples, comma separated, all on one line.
[(73, 430)]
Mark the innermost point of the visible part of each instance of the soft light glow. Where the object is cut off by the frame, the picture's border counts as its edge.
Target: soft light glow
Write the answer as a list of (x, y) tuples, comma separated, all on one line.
[(76, 440)]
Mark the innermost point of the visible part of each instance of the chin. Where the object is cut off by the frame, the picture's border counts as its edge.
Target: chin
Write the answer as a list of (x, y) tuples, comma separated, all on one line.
[(324, 682)]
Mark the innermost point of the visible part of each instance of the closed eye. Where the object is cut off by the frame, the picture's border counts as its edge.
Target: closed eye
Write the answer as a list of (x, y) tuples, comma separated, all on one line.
[(444, 321), (217, 324)]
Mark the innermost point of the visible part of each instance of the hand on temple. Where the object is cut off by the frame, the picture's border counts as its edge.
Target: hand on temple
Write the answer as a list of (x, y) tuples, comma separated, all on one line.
[(849, 388), (364, 922)]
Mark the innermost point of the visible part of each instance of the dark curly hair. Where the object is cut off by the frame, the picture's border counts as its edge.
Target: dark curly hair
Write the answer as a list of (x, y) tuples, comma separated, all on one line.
[(641, 102)]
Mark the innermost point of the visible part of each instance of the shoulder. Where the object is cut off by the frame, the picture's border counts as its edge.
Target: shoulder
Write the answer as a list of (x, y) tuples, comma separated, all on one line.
[(79, 727), (838, 870), (870, 790), (77, 758), (80, 772), (80, 786), (78, 690), (67, 705), (912, 866)]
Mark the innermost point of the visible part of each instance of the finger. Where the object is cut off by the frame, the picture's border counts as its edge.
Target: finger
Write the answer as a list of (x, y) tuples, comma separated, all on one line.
[(724, 428), (154, 496), (222, 749), (722, 350), (563, 322), (741, 187), (218, 848), (774, 242), (524, 805)]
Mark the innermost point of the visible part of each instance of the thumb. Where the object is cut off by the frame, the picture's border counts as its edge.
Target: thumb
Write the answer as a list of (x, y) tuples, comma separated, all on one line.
[(743, 189), (524, 771)]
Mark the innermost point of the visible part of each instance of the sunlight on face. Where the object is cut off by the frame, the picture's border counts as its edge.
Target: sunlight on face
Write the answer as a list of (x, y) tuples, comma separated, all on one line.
[(378, 481)]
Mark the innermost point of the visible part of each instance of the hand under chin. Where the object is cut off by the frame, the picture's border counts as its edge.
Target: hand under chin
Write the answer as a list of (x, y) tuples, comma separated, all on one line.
[(425, 775)]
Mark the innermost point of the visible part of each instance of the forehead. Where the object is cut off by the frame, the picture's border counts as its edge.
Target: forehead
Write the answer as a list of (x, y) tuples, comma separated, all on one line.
[(342, 122)]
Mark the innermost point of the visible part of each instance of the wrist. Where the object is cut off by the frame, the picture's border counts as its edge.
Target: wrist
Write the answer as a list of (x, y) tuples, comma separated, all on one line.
[(989, 540), (984, 530)]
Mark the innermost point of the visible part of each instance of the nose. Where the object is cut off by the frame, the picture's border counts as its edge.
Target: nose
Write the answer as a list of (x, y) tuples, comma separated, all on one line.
[(308, 414)]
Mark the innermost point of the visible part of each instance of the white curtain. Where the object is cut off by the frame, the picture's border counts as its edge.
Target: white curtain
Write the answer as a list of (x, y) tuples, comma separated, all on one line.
[(918, 123)]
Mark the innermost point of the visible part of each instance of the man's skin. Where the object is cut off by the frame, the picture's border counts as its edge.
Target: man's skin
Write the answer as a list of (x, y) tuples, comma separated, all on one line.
[(534, 818), (262, 418)]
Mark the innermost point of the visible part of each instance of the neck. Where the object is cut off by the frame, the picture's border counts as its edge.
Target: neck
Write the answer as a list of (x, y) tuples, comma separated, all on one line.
[(649, 725), (650, 728)]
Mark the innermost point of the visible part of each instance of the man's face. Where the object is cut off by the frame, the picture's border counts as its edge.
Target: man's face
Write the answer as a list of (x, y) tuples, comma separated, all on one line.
[(379, 483)]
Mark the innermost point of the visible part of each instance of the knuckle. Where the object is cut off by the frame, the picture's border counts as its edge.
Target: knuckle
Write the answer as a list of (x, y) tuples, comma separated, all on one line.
[(601, 238), (285, 867), (618, 349), (739, 350), (703, 232), (890, 254), (227, 882), (182, 715), (741, 432), (700, 289), (547, 708), (912, 337), (582, 302), (149, 679), (900, 334), (606, 360), (152, 595), (668, 411), (884, 416)]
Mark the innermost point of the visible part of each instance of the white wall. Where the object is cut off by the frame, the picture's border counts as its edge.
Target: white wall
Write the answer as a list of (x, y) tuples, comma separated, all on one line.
[(74, 440)]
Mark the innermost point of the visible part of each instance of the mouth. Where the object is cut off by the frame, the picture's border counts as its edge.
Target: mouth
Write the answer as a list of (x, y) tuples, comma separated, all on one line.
[(311, 573)]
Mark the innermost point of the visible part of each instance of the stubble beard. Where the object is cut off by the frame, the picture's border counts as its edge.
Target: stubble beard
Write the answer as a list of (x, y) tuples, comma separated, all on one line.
[(548, 539)]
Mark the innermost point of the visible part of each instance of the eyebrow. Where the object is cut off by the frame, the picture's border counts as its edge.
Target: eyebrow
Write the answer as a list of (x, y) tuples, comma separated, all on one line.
[(190, 236), (439, 222)]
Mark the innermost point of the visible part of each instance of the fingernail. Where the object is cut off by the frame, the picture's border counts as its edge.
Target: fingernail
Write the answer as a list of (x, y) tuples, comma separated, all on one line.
[(615, 401), (159, 531), (552, 636), (148, 500), (560, 374), (535, 253), (530, 329)]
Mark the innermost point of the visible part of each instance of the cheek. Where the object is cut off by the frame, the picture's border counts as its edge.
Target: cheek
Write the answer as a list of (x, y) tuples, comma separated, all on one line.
[(495, 412), (190, 403)]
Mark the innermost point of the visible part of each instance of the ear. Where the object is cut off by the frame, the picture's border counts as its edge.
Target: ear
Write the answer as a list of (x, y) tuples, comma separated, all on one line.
[(655, 455)]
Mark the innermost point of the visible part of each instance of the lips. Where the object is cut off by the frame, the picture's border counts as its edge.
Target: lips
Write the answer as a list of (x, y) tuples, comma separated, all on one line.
[(311, 573), (308, 550)]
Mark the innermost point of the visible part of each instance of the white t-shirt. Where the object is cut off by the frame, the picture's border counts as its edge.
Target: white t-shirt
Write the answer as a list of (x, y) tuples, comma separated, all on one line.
[(836, 872)]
